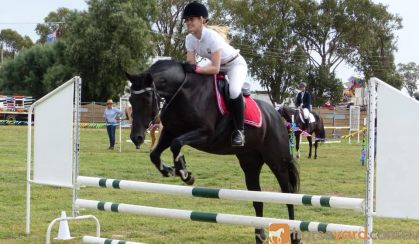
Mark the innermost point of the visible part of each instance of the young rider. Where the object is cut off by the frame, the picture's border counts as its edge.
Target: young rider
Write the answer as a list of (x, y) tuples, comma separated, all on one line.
[(304, 100), (209, 44)]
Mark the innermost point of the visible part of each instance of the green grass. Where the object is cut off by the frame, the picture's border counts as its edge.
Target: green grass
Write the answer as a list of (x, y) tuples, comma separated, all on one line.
[(336, 172)]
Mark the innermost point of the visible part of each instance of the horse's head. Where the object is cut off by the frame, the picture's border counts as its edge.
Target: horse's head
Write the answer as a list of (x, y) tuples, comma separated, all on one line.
[(161, 80), (287, 113), (144, 104)]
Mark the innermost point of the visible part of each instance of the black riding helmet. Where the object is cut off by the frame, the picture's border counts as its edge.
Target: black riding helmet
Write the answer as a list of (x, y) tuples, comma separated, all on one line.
[(195, 9)]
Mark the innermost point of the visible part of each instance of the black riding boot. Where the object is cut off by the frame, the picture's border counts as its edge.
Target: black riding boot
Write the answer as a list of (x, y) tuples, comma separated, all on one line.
[(237, 108)]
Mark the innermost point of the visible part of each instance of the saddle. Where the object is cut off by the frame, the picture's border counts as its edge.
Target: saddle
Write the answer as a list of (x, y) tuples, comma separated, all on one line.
[(252, 114)]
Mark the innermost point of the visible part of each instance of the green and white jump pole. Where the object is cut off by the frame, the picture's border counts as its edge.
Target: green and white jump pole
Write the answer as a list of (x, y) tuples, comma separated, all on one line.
[(242, 195), (257, 222), (98, 240)]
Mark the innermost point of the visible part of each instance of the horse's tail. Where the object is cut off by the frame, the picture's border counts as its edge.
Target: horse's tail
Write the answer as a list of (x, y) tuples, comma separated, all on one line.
[(294, 176)]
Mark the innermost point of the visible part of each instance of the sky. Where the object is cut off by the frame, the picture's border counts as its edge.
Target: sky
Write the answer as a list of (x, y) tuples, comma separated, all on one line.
[(24, 20)]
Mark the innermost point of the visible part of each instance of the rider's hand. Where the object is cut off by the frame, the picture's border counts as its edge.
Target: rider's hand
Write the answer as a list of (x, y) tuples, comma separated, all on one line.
[(191, 68)]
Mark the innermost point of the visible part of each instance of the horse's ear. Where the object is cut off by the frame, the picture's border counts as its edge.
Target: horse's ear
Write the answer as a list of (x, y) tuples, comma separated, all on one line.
[(148, 79)]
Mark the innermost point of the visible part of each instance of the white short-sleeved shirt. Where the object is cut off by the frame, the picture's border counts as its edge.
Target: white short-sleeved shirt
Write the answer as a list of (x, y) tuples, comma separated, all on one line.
[(210, 42)]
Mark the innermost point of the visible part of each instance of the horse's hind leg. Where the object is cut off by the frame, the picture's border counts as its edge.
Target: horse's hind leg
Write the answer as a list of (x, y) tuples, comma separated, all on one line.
[(286, 173), (252, 165), (316, 143)]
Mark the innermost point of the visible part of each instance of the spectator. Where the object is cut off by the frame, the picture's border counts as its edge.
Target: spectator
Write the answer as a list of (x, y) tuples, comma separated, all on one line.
[(155, 124), (111, 115)]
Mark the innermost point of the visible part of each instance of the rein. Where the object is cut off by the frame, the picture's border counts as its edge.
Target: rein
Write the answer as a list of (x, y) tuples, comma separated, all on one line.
[(161, 108), (174, 95)]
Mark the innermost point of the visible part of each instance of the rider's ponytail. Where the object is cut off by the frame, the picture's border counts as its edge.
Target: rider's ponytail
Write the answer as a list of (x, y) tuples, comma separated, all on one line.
[(220, 29)]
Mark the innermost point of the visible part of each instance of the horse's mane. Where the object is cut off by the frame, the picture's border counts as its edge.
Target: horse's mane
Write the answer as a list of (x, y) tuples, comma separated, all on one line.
[(164, 64)]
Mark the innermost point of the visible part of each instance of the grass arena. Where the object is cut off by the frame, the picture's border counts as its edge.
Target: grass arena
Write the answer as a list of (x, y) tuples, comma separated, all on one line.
[(336, 172)]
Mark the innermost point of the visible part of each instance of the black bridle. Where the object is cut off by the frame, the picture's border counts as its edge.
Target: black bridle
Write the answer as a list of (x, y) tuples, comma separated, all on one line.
[(157, 97)]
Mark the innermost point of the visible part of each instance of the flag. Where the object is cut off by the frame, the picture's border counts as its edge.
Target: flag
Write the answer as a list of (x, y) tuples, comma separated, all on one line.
[(51, 37)]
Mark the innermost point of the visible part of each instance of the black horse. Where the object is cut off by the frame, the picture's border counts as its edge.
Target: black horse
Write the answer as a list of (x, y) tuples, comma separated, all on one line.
[(190, 117), (317, 128)]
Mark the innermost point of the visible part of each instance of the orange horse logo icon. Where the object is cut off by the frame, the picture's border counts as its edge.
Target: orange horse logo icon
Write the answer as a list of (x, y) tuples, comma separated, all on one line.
[(279, 234)]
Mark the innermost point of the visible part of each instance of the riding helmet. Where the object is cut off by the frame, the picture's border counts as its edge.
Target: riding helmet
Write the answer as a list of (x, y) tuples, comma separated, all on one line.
[(301, 85), (195, 9)]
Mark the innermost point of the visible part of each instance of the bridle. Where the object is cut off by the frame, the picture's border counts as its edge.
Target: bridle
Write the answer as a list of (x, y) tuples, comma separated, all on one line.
[(157, 97), (155, 100)]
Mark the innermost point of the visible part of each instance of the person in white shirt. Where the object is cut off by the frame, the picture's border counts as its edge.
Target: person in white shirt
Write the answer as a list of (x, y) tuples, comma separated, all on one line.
[(209, 44), (111, 116)]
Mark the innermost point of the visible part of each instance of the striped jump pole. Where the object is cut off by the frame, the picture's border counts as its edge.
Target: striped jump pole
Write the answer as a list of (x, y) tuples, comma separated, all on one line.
[(271, 197), (257, 222), (98, 240)]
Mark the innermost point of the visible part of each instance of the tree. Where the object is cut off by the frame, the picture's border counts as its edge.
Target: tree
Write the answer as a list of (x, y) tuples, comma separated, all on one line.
[(54, 22), (318, 25), (324, 86), (369, 34), (170, 36), (11, 43), (265, 38), (111, 35), (36, 71), (410, 76)]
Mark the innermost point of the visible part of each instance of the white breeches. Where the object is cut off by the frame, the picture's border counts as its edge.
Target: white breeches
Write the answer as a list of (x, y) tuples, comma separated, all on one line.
[(306, 113), (236, 73)]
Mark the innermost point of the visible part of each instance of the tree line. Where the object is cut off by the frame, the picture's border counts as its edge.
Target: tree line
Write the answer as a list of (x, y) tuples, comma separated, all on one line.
[(284, 42)]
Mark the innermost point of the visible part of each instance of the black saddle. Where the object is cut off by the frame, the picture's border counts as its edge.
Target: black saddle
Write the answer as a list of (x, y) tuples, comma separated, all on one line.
[(223, 86)]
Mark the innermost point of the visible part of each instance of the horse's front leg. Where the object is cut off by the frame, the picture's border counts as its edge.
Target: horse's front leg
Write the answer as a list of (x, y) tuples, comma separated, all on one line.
[(164, 142), (310, 145), (316, 144), (195, 137)]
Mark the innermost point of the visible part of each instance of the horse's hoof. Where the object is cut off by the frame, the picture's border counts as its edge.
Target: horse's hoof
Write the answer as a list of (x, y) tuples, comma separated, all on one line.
[(315, 157), (185, 176), (167, 171), (297, 241), (260, 236), (190, 181), (295, 238), (309, 156), (137, 147)]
